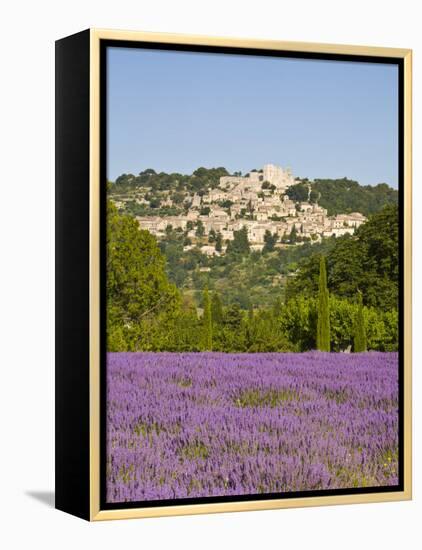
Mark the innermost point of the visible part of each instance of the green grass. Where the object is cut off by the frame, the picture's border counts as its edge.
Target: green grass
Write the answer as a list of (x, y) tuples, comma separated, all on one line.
[(265, 398)]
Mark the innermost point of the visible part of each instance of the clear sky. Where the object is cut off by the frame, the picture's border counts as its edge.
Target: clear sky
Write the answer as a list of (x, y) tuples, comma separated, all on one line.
[(176, 111)]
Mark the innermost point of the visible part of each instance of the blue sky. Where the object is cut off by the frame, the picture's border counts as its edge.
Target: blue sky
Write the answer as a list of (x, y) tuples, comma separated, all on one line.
[(176, 111)]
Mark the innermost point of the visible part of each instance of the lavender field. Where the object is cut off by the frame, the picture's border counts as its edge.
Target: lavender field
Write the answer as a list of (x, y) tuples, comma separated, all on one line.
[(185, 425)]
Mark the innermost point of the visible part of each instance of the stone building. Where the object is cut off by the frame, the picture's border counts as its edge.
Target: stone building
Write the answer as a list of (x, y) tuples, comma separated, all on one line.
[(271, 173), (256, 208)]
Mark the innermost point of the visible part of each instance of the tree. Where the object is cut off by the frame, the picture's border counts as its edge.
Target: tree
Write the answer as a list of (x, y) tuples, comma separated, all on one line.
[(155, 202), (219, 242), (203, 178), (137, 285), (251, 314), (178, 197), (298, 192), (206, 323), (277, 308), (340, 196), (250, 208), (359, 340), (314, 197), (367, 261), (216, 309), (298, 322), (148, 172), (211, 236), (240, 242), (262, 335), (125, 180), (342, 323), (225, 203), (200, 230), (323, 325), (293, 235), (270, 241), (233, 317)]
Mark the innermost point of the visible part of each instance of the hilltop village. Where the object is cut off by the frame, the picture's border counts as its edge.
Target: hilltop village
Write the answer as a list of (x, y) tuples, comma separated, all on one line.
[(256, 202)]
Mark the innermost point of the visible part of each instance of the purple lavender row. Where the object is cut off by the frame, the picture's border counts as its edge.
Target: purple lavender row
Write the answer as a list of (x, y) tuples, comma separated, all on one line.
[(183, 425)]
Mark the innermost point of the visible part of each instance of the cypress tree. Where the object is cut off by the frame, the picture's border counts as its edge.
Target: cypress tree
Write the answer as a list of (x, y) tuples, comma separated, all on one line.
[(250, 314), (277, 309), (250, 328), (207, 323), (323, 325), (216, 309), (293, 235), (219, 242), (360, 332)]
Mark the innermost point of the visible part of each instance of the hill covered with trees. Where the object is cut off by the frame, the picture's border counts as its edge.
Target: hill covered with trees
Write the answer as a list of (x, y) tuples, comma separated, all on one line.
[(367, 262), (200, 180), (243, 277), (343, 196)]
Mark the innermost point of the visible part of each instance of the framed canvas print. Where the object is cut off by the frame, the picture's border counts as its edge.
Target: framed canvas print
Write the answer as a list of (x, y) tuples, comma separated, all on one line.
[(233, 274)]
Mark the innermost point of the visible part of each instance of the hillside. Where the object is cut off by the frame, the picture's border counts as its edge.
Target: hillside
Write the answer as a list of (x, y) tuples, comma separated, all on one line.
[(256, 300), (200, 180), (243, 278), (367, 262), (342, 196), (152, 193)]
